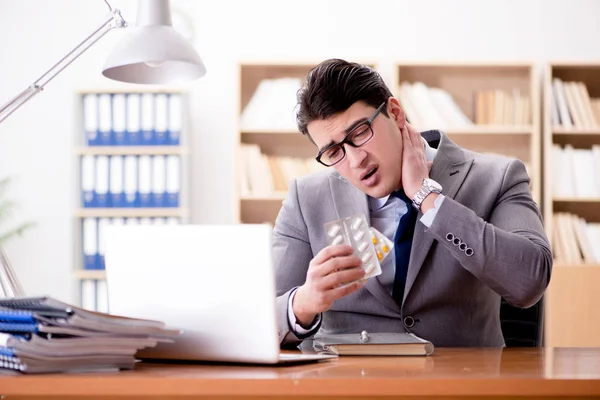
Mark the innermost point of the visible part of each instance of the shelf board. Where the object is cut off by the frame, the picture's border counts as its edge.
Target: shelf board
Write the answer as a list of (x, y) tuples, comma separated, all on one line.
[(131, 150), (277, 196), (127, 88), (576, 200), (268, 131), (490, 130), (90, 273), (130, 212), (558, 130), (470, 130), (560, 264)]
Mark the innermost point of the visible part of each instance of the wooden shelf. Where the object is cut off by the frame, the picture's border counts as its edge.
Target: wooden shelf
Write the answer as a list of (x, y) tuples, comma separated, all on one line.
[(130, 212), (490, 130), (258, 211), (131, 150), (126, 88), (589, 209), (573, 307), (292, 144), (267, 131), (90, 274), (464, 82), (472, 130), (575, 131), (277, 196), (576, 200)]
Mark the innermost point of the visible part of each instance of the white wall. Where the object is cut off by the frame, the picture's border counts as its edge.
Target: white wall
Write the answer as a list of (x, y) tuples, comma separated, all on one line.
[(36, 143)]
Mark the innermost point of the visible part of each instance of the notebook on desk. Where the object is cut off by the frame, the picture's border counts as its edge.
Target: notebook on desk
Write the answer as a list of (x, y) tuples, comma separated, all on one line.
[(215, 283)]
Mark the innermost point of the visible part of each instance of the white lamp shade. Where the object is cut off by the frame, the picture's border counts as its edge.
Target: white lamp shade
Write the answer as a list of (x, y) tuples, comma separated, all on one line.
[(155, 54)]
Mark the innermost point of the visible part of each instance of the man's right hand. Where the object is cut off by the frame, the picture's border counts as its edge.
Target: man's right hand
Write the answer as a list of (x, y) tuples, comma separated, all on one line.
[(333, 273)]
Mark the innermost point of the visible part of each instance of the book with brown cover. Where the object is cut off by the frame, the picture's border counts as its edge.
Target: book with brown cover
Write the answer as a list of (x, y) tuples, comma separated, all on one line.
[(373, 344)]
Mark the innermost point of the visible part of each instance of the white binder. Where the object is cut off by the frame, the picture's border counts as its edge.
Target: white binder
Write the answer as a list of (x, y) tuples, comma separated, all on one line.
[(134, 134), (147, 121), (116, 184), (161, 103), (119, 117), (130, 182), (158, 181), (105, 119), (88, 180), (88, 294), (102, 224), (145, 180), (90, 118), (101, 184), (90, 243), (173, 180), (175, 119)]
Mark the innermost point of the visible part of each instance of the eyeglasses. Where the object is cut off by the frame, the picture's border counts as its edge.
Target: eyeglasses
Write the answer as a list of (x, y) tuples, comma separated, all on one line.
[(357, 137)]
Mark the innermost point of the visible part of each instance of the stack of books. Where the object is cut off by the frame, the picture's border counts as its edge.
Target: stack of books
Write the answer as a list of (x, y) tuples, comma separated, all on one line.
[(44, 335)]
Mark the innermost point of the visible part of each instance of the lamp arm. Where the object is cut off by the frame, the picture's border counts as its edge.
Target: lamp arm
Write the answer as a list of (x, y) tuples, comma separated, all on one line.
[(9, 284), (114, 20)]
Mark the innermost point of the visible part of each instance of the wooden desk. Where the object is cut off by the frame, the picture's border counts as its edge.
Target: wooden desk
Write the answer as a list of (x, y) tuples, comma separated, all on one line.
[(449, 373)]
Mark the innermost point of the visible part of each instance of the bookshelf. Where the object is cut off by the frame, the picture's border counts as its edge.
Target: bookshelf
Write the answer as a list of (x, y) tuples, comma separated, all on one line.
[(484, 107), (132, 167), (271, 150), (571, 141)]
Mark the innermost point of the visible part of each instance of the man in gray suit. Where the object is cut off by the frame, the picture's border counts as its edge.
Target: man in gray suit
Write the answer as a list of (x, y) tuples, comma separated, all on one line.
[(465, 228)]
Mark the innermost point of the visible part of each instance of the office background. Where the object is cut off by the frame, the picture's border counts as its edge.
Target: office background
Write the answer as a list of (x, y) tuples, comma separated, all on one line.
[(37, 142)]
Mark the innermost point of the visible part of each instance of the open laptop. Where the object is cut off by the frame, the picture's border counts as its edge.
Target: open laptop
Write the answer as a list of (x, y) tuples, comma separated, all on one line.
[(214, 282)]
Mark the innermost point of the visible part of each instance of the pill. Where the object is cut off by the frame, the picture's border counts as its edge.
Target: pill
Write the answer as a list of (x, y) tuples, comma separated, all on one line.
[(334, 230), (362, 246), (379, 255), (356, 223), (369, 268), (385, 248), (359, 235), (337, 240), (374, 240), (366, 257)]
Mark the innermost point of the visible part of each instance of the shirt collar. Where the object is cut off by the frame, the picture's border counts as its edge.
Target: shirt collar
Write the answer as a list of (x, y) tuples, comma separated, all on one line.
[(377, 203)]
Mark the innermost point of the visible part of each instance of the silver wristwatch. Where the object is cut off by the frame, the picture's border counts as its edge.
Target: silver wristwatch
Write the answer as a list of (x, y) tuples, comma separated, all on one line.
[(428, 186)]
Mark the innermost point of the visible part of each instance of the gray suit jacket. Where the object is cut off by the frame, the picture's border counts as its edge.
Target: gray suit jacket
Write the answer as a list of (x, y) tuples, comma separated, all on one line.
[(451, 299)]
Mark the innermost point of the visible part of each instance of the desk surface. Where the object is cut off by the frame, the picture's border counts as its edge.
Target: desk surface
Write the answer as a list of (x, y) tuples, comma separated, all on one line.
[(448, 373)]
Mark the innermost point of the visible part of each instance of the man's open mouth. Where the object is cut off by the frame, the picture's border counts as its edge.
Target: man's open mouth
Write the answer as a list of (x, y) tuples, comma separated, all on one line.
[(367, 176)]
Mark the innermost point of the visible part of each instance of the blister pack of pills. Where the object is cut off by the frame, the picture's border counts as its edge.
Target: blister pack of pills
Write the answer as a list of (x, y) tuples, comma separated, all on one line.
[(382, 244), (366, 242)]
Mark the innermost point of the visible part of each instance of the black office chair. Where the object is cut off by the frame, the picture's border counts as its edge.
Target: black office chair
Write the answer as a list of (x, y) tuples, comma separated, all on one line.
[(522, 327)]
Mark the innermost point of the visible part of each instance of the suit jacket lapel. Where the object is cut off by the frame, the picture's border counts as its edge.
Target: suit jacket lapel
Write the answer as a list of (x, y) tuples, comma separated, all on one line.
[(449, 169), (349, 200)]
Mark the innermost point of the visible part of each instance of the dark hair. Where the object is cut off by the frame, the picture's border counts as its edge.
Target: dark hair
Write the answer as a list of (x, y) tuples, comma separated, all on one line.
[(333, 86)]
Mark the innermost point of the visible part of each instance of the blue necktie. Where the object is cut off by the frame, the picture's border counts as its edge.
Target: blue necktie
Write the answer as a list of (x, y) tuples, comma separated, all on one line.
[(402, 246)]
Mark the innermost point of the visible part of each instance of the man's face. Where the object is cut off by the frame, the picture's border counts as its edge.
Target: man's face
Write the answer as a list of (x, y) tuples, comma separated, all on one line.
[(375, 167)]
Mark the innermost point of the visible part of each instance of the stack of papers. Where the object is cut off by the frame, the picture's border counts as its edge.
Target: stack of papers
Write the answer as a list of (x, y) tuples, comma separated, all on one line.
[(43, 335)]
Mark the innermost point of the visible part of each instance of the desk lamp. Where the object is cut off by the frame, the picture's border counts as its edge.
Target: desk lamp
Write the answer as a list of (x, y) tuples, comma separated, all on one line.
[(152, 53)]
